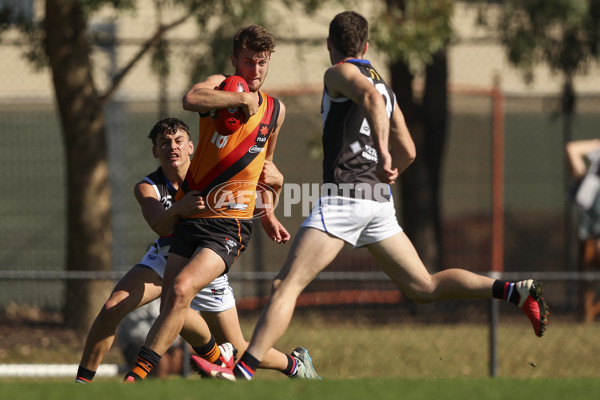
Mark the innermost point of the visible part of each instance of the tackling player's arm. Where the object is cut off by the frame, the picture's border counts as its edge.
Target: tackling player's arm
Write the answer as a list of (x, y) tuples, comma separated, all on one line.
[(160, 220), (204, 97), (345, 80)]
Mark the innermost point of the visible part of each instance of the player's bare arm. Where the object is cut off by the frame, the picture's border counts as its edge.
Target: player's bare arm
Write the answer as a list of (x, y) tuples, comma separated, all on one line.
[(576, 152), (402, 145), (271, 176), (160, 220), (345, 80), (204, 97), (272, 226)]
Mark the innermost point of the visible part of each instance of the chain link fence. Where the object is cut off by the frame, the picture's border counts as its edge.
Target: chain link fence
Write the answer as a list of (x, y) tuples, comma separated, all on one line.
[(539, 229)]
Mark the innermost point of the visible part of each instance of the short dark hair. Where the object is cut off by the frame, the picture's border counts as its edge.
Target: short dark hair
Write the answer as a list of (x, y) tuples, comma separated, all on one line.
[(254, 38), (348, 32), (167, 126)]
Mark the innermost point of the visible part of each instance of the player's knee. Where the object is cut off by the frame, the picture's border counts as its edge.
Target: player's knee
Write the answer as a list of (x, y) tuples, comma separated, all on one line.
[(114, 310), (181, 293), (111, 305), (420, 292), (287, 290)]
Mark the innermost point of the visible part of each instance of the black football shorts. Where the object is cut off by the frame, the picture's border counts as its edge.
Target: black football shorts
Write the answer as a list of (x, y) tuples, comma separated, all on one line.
[(228, 237)]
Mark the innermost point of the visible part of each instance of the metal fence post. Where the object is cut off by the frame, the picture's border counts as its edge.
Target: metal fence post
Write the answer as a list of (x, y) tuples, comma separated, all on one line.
[(186, 359), (493, 338)]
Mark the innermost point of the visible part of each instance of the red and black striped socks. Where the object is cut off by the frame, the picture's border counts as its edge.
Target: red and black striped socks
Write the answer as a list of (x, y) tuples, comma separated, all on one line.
[(246, 366), (292, 367)]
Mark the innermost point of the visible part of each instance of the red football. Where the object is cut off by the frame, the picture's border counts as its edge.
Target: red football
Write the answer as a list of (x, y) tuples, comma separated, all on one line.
[(228, 120)]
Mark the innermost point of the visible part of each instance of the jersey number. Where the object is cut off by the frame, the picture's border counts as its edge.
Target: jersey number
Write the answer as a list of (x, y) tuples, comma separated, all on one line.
[(219, 140), (365, 129)]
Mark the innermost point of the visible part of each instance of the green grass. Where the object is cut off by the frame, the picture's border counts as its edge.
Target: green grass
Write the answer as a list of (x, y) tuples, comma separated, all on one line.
[(445, 350), (354, 349), (358, 360), (405, 389)]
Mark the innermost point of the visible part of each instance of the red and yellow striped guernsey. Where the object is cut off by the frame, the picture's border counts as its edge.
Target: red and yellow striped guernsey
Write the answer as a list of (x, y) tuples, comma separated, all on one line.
[(226, 168)]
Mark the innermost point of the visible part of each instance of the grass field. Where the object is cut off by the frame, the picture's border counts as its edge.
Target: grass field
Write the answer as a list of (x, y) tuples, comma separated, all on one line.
[(445, 350), (360, 360), (365, 388), (349, 348)]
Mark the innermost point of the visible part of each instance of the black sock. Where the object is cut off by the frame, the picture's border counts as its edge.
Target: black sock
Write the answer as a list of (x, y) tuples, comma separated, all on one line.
[(505, 291), (200, 350), (291, 369), (147, 360), (210, 351), (246, 367), (84, 375)]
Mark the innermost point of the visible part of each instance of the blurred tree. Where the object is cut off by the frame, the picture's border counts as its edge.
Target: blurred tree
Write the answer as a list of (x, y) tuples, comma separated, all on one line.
[(415, 35), (62, 40), (562, 34)]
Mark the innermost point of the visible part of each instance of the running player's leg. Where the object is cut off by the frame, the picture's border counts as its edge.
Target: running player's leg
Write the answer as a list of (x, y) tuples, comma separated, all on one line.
[(310, 253), (215, 298), (225, 326), (202, 250), (194, 274), (204, 266), (400, 261), (402, 264), (196, 332), (139, 286)]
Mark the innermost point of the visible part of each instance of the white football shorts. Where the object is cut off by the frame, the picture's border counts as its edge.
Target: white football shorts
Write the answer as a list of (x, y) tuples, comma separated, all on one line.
[(358, 222), (216, 297)]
